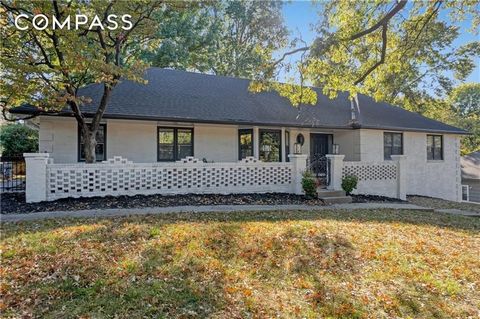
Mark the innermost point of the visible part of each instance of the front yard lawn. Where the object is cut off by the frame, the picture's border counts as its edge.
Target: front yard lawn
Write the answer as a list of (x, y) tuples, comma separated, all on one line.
[(338, 264)]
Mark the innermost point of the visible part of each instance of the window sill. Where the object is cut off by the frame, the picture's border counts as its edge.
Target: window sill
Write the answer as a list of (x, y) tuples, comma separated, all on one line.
[(435, 161)]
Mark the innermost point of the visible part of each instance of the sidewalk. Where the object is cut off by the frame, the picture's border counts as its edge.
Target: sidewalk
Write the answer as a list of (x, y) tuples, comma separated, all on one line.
[(198, 209)]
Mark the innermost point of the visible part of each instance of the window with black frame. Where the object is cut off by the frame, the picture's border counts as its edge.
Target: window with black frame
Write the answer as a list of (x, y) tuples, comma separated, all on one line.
[(392, 145), (245, 143), (100, 148), (174, 143), (270, 145), (434, 147), (287, 146)]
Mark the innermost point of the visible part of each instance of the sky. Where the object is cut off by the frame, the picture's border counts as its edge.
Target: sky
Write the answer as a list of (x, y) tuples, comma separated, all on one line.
[(300, 15)]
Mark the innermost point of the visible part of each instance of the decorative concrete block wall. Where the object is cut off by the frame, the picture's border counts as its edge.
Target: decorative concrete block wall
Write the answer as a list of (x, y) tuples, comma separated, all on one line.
[(386, 178), (119, 176)]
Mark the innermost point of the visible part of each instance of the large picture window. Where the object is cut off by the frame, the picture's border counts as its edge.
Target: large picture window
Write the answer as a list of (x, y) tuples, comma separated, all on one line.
[(100, 148), (434, 147), (174, 143), (270, 145), (392, 145), (245, 143)]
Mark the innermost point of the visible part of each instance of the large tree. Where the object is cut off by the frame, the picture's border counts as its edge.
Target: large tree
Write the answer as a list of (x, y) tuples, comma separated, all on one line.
[(395, 51), (234, 38), (45, 68)]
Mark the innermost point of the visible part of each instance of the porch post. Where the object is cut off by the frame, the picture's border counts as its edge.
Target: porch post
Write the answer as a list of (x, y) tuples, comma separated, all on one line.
[(336, 171), (282, 142), (299, 165), (36, 176), (401, 176), (256, 143)]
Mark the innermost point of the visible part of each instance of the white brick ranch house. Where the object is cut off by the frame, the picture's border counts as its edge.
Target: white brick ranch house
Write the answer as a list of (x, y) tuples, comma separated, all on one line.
[(238, 141)]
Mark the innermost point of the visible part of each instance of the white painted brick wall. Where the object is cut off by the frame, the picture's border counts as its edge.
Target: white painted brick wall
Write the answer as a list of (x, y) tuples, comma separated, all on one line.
[(439, 179)]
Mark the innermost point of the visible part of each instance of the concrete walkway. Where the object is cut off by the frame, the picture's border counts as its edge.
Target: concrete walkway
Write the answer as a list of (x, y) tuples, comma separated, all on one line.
[(198, 209), (455, 211)]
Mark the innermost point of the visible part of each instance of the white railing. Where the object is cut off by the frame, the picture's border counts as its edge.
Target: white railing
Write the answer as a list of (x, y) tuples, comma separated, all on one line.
[(119, 176)]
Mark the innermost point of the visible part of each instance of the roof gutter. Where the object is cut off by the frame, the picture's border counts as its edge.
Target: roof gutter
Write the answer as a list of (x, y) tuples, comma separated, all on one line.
[(351, 125)]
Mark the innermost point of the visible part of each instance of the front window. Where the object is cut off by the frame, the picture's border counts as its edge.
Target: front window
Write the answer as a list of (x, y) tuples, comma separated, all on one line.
[(100, 149), (287, 145), (245, 143), (392, 145), (174, 143), (270, 145), (434, 147)]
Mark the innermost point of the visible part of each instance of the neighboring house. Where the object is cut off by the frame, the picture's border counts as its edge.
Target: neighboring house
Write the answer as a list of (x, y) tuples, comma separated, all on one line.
[(471, 175), (216, 118)]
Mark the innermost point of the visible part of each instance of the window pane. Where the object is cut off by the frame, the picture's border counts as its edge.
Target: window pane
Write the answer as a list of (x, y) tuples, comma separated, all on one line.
[(437, 151), (184, 143), (165, 152), (392, 145), (270, 146), (184, 151), (397, 140), (165, 136), (387, 139), (434, 147), (184, 136), (429, 147), (287, 146), (100, 137), (166, 144), (245, 143), (387, 152), (100, 154)]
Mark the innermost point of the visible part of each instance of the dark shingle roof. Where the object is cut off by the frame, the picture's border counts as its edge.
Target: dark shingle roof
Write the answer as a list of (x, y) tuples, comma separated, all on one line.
[(471, 165), (193, 97)]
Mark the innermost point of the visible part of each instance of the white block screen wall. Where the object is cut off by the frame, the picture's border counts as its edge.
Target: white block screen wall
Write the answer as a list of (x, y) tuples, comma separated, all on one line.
[(374, 178), (119, 176)]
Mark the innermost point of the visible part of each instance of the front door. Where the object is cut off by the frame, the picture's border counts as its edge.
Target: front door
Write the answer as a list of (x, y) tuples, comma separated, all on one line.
[(320, 145)]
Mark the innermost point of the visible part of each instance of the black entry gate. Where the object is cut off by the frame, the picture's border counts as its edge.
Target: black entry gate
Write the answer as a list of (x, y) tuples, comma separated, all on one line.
[(318, 164), (12, 174)]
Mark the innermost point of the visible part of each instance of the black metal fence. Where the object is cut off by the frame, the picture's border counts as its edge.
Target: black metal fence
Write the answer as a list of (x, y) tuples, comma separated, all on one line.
[(12, 174), (319, 165)]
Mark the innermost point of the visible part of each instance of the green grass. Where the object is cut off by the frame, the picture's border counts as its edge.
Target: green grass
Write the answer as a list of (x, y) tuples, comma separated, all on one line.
[(330, 264)]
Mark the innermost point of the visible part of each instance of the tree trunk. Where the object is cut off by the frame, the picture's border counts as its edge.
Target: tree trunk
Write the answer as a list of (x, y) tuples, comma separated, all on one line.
[(89, 144)]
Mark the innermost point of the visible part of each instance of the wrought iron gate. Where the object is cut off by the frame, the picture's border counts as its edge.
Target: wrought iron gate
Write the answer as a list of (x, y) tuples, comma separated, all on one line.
[(12, 174), (319, 165)]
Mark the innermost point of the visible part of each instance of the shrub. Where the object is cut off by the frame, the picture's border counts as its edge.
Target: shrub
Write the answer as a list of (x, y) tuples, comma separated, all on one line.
[(349, 183), (16, 139), (309, 185)]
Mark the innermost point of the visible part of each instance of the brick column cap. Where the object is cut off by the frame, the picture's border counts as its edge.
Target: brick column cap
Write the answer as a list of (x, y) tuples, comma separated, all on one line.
[(36, 155)]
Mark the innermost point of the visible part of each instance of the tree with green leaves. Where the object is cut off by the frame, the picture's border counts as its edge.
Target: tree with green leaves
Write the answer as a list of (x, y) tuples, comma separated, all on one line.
[(465, 103), (45, 67), (233, 38), (16, 139), (394, 51)]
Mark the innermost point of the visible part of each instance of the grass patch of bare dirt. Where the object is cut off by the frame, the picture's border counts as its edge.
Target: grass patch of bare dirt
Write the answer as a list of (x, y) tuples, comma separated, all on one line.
[(336, 264)]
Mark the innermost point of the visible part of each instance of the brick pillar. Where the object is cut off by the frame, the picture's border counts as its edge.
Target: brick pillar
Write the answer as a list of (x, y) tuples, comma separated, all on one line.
[(336, 171), (401, 175), (299, 165), (36, 166)]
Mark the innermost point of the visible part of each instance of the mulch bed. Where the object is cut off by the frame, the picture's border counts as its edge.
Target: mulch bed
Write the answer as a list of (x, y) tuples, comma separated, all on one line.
[(14, 203), (375, 199)]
